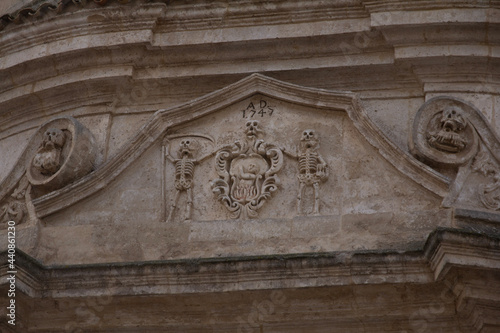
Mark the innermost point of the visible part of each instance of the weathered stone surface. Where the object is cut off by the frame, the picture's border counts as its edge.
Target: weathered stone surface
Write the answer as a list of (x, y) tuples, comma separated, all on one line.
[(196, 218), (429, 289), (66, 151)]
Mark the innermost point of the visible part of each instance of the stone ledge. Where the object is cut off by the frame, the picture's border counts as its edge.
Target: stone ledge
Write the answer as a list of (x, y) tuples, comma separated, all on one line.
[(259, 272)]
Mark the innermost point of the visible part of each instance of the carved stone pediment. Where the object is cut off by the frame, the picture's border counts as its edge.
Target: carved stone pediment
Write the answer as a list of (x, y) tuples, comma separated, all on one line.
[(239, 171), (259, 148)]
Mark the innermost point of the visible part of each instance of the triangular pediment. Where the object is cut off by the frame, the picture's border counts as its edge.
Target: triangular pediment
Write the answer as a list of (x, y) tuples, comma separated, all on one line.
[(223, 112)]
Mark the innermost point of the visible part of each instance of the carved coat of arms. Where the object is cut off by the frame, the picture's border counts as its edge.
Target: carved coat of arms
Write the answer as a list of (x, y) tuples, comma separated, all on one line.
[(247, 173)]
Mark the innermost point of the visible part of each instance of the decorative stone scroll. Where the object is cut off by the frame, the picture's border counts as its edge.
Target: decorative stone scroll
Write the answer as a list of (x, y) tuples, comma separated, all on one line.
[(67, 151), (449, 132), (13, 208), (489, 193), (248, 173)]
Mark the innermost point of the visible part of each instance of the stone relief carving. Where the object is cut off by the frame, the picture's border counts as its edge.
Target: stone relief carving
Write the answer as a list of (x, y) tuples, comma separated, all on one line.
[(14, 207), (450, 132), (60, 152), (489, 194), (446, 130), (248, 173), (48, 157), (312, 168), (67, 151), (442, 133), (184, 165)]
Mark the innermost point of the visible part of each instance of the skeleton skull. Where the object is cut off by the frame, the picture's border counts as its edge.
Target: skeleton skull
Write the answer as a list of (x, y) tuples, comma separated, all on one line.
[(449, 135), (186, 148), (252, 128), (309, 138), (453, 120), (308, 135)]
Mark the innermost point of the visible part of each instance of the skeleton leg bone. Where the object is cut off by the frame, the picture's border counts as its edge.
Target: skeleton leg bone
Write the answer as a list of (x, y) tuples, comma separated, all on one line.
[(189, 203), (299, 198), (174, 205), (316, 198)]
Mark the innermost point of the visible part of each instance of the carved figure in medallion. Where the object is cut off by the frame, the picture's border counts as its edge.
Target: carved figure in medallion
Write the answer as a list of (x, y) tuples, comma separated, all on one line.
[(312, 168), (184, 172), (448, 136), (66, 151), (47, 159), (248, 173)]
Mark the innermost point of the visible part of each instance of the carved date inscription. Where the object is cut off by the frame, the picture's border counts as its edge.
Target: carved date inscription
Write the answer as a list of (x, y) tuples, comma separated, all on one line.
[(260, 108)]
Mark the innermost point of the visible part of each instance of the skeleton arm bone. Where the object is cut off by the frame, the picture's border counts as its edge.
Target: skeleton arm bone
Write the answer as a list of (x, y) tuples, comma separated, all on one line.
[(322, 168), (204, 157), (290, 154), (166, 151)]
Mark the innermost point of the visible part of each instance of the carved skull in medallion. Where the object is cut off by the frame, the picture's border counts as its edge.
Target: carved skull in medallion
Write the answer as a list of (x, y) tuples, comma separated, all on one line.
[(450, 134)]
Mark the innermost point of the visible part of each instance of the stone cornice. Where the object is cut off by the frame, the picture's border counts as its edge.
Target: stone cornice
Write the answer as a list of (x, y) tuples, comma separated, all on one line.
[(258, 272), (411, 5), (50, 57), (197, 14), (446, 249), (281, 9)]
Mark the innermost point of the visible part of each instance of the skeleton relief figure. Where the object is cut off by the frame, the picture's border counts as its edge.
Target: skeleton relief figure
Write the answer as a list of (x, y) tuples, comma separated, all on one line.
[(184, 171), (47, 159), (312, 168), (448, 135)]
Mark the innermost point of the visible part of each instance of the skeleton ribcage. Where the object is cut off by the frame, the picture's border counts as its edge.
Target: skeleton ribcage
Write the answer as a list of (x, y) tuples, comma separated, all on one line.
[(184, 170), (308, 166), (308, 163)]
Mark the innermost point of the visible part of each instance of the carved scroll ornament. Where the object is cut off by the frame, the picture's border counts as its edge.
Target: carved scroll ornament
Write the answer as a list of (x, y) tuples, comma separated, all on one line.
[(13, 208), (489, 193)]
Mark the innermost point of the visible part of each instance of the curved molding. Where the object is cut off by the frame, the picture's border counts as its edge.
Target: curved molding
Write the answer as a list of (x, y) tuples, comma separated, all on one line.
[(164, 119)]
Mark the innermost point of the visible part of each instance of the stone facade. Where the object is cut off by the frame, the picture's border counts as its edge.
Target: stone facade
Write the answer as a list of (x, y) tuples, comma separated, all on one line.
[(247, 166)]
